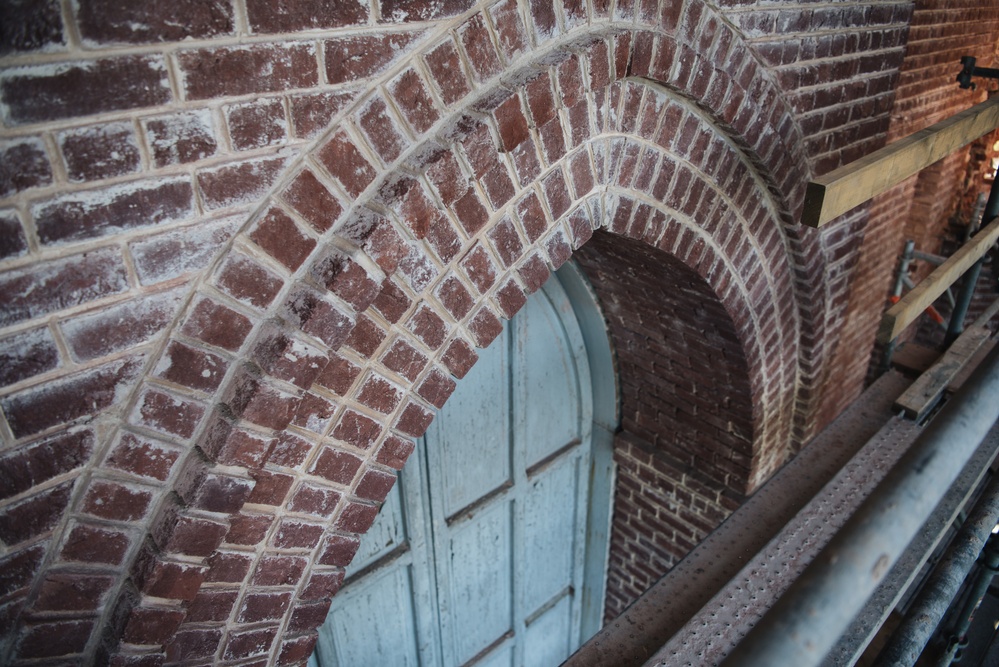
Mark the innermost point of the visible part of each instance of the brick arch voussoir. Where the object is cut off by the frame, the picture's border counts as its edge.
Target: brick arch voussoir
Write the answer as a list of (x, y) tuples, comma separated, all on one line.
[(308, 291)]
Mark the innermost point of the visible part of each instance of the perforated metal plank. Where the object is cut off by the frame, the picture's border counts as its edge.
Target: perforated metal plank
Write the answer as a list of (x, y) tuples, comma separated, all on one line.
[(853, 643), (645, 626), (714, 631)]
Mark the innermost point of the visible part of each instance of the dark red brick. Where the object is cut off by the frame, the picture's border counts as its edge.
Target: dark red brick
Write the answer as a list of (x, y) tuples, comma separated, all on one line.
[(313, 201), (320, 318), (212, 605), (507, 242), (280, 237), (309, 616), (336, 466), (193, 643), (243, 70), (263, 607), (113, 210), (120, 327), (323, 584), (55, 638), (249, 643), (511, 298), (190, 536), (24, 164), (74, 397), (338, 375), (191, 367), (315, 500), (12, 239), (72, 592), (474, 36), (216, 492), (512, 124), (270, 488), (269, 17), (100, 151), (143, 456), (117, 501), (29, 465), (379, 394), (485, 327), (217, 325), (297, 649), (347, 279), (558, 249), (355, 518), (346, 163), (152, 625), (278, 570), (366, 337), (459, 358), (436, 388), (391, 301), (109, 22), (375, 485), (27, 353), (311, 113), (238, 183), (428, 327), (381, 130), (95, 544), (258, 402), (228, 567), (455, 297), (247, 281), (31, 26), (168, 414), (399, 11), (532, 216), (287, 358), (257, 124), (181, 138), (248, 530), (535, 273), (404, 360), (395, 451), (180, 251), (357, 430), (35, 515), (362, 56), (295, 534), (479, 268), (445, 67), (412, 97), (234, 446), (40, 93)]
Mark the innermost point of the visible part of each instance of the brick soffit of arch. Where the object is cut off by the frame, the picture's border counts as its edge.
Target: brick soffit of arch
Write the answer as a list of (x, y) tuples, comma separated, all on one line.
[(348, 248)]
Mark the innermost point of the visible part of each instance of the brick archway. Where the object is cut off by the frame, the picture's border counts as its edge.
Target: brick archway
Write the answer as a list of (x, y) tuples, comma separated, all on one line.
[(326, 332)]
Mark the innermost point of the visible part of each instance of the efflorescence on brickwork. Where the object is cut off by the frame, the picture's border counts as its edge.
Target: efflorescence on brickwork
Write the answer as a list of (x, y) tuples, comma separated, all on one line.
[(246, 255)]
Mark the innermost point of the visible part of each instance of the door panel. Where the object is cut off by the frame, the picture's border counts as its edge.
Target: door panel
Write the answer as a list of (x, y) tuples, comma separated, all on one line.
[(546, 641), (549, 524)]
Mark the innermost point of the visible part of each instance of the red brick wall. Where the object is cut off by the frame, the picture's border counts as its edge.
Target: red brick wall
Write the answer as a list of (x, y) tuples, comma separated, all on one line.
[(245, 254)]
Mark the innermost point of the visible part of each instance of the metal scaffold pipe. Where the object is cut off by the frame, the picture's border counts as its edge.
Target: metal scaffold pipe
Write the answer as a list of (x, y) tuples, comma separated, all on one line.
[(808, 620)]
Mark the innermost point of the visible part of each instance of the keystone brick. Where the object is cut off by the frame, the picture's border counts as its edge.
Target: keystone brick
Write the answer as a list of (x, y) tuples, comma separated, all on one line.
[(27, 353), (34, 516), (61, 401), (35, 463), (299, 15), (100, 151), (281, 238), (71, 90), (108, 22), (95, 213), (245, 70), (120, 327), (181, 138), (24, 164), (31, 26)]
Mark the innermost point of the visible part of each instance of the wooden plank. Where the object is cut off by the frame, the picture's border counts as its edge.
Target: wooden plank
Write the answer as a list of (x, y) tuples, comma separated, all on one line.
[(970, 367), (924, 393), (909, 307), (835, 193), (913, 359)]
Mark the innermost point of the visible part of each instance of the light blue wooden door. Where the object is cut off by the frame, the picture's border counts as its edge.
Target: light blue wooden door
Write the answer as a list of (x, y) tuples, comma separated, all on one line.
[(478, 554)]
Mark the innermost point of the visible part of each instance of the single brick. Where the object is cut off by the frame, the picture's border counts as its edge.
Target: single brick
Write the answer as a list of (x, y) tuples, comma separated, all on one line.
[(217, 493), (484, 327), (375, 485), (270, 488), (41, 93), (120, 327), (511, 298), (62, 591), (344, 161), (357, 430), (315, 413), (113, 210), (534, 272), (296, 650), (256, 401), (217, 325), (35, 515), (338, 375), (212, 605), (445, 67), (509, 28), (180, 138), (175, 581), (366, 337), (341, 275), (244, 70), (143, 456), (506, 241), (269, 17), (12, 240), (436, 388), (316, 500), (24, 164), (87, 543), (62, 283), (168, 413), (109, 22), (29, 465), (248, 529), (455, 297), (532, 216), (256, 124), (191, 367), (278, 570), (31, 26), (339, 550), (323, 584), (177, 252), (239, 183), (54, 638), (418, 269), (117, 501), (319, 317), (470, 212), (297, 534), (245, 280), (152, 625), (18, 569), (355, 518), (27, 353), (379, 394), (67, 399), (479, 268), (289, 450), (474, 36), (288, 358), (193, 643), (249, 643), (395, 451), (309, 616), (100, 151), (278, 234), (413, 98), (263, 607), (381, 130), (359, 57), (234, 446), (400, 11), (391, 302), (311, 113)]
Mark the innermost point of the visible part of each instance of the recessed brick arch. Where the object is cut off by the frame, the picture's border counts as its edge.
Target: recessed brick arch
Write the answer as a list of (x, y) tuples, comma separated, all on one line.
[(324, 335)]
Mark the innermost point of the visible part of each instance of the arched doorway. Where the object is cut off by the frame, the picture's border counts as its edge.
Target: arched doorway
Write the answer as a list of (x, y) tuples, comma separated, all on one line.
[(492, 548)]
